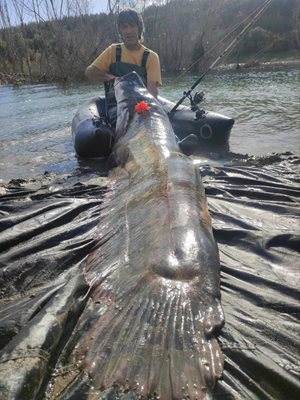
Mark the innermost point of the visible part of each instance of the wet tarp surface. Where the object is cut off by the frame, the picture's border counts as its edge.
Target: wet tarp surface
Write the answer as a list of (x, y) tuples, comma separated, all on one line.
[(47, 228)]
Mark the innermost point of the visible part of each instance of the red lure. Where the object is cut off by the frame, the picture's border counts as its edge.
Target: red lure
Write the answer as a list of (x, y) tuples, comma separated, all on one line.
[(141, 107)]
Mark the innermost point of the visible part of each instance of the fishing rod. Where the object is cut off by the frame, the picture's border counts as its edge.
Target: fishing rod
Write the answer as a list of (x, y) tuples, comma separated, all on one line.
[(225, 52)]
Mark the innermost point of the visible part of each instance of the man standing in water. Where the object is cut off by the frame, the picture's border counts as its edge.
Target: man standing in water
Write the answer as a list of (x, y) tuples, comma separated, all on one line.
[(120, 59)]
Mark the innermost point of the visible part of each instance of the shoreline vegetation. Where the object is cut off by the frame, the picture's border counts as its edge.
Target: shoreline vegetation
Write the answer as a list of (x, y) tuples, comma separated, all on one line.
[(188, 35), (252, 64)]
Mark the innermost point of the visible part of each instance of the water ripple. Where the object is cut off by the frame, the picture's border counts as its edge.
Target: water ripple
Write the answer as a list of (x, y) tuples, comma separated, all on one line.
[(35, 119)]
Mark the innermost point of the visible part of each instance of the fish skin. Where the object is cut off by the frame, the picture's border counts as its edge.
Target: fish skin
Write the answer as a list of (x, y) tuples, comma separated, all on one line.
[(155, 272)]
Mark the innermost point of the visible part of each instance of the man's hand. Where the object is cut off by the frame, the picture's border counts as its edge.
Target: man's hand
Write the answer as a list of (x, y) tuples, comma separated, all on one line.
[(94, 74)]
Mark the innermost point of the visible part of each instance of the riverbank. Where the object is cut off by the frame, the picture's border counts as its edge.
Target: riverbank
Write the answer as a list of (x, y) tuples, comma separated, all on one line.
[(258, 60), (245, 61), (21, 79), (255, 64)]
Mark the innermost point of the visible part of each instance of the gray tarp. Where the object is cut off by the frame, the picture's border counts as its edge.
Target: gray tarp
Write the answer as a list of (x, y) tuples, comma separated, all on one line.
[(46, 231)]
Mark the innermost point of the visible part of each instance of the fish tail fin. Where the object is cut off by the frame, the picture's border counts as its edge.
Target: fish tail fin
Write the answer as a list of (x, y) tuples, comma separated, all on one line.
[(159, 338)]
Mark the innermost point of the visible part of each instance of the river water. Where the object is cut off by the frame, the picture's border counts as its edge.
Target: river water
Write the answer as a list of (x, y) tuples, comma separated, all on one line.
[(35, 120)]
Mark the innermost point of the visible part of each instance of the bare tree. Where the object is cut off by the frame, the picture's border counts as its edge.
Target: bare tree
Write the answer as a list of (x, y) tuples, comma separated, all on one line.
[(8, 49), (113, 6), (4, 15), (60, 49)]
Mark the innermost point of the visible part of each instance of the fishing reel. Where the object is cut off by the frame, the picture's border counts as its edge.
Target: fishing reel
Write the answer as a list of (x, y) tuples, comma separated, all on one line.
[(198, 97), (195, 100)]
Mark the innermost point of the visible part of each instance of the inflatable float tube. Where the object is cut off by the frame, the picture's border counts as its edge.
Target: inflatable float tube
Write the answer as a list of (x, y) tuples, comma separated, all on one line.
[(195, 130)]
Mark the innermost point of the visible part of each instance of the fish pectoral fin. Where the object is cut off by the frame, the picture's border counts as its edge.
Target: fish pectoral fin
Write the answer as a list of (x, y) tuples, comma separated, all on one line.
[(155, 339)]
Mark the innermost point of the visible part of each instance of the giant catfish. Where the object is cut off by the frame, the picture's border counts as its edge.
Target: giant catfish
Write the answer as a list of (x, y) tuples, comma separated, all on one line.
[(154, 273)]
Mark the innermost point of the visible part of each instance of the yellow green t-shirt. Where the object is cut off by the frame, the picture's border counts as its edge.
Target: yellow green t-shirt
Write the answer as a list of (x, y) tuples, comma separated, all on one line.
[(108, 57)]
